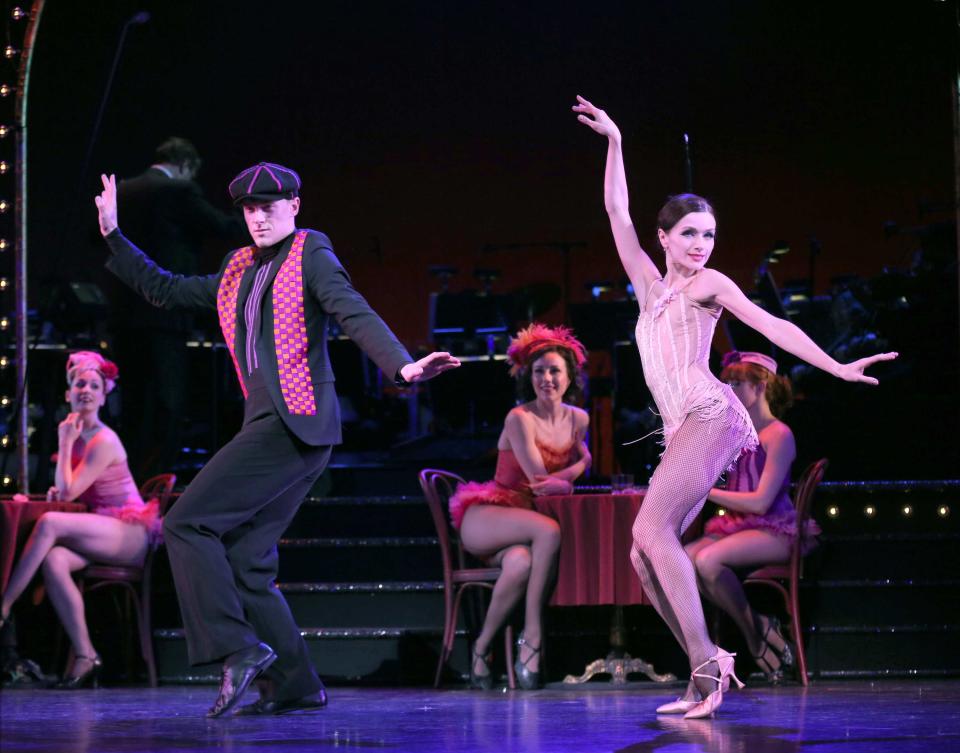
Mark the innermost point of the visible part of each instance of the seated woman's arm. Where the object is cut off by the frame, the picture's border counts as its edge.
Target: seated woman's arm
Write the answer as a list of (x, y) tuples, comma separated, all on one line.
[(521, 434), (582, 465), (103, 450), (781, 451)]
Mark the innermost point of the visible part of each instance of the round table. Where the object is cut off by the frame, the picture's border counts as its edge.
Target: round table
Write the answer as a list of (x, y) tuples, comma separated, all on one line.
[(596, 534)]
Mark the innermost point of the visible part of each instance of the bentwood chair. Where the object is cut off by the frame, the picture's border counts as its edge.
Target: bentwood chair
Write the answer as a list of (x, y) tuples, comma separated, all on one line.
[(786, 578), (438, 486), (136, 582)]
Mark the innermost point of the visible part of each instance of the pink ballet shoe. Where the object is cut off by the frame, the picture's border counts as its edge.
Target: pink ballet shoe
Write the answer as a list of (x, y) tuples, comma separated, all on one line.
[(709, 705), (678, 706)]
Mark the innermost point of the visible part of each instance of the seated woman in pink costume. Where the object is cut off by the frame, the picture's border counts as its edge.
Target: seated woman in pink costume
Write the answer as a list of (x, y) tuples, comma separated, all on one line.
[(759, 520), (91, 468), (541, 450)]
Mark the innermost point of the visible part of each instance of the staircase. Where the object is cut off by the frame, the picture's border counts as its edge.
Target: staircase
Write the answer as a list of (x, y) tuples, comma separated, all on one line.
[(362, 575)]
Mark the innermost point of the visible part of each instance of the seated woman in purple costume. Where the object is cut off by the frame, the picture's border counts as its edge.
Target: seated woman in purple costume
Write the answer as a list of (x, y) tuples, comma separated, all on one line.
[(92, 469), (759, 521), (541, 450)]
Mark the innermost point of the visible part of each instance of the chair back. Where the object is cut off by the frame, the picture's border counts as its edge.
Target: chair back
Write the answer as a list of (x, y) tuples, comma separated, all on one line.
[(438, 486), (161, 487), (803, 501)]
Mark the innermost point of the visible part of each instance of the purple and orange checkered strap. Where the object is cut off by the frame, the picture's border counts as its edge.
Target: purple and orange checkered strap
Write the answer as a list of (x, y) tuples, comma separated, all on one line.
[(290, 333), (227, 303)]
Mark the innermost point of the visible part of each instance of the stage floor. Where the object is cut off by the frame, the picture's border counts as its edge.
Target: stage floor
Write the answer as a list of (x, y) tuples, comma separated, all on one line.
[(854, 717)]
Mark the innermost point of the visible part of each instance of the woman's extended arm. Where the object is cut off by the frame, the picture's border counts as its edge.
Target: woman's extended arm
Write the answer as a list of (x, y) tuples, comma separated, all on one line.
[(636, 262), (781, 450), (782, 333)]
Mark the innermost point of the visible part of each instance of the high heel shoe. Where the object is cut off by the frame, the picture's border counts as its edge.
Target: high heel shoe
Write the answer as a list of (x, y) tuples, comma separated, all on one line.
[(91, 676), (785, 655), (709, 705), (528, 678), (678, 706), (480, 682)]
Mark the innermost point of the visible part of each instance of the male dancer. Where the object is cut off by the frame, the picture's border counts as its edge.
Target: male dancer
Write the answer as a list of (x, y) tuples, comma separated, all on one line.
[(274, 300)]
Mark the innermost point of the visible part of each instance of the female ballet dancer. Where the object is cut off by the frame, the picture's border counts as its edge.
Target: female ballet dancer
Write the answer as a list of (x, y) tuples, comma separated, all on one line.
[(706, 427)]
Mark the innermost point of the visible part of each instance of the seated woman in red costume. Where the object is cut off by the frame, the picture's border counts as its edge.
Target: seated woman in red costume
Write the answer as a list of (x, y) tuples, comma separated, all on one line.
[(91, 468), (541, 450), (759, 521)]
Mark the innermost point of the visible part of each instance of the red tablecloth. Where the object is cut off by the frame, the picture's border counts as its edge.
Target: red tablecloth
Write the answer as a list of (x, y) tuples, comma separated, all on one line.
[(596, 537), (16, 523)]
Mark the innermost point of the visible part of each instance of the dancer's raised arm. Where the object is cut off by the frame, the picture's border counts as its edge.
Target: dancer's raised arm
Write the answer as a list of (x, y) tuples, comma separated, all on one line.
[(782, 333), (638, 265)]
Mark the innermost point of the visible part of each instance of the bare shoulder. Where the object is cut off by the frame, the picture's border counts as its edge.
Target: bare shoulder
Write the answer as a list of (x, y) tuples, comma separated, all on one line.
[(106, 441), (777, 434), (581, 419), (519, 416)]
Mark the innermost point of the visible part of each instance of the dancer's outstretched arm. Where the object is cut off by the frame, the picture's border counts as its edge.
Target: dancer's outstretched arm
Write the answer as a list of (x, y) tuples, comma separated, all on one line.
[(638, 265), (780, 332)]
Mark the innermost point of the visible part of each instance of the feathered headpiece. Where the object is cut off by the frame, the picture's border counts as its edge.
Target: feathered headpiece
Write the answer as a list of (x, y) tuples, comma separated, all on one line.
[(735, 356), (537, 337), (88, 360)]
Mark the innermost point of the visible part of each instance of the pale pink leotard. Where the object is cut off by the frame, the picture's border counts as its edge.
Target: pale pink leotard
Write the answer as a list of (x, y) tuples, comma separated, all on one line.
[(674, 334)]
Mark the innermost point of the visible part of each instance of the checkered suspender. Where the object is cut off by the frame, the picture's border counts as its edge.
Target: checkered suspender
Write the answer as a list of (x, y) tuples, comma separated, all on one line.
[(290, 333), (227, 303)]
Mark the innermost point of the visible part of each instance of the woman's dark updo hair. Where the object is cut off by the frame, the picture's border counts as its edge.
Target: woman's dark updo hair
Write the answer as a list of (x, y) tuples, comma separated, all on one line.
[(678, 207), (574, 393)]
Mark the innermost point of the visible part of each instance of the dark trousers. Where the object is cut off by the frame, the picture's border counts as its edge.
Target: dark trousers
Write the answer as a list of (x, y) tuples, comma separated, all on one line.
[(222, 538)]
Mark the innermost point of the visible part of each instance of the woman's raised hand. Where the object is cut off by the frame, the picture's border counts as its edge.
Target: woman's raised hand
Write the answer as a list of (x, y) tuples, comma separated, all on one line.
[(107, 205), (69, 429), (596, 118), (853, 371)]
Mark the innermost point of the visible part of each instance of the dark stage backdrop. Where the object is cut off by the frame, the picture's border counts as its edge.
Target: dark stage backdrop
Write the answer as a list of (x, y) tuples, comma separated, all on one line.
[(426, 131)]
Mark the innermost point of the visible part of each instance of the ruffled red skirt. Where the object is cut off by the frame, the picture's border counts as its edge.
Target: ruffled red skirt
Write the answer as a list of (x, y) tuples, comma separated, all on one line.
[(486, 493)]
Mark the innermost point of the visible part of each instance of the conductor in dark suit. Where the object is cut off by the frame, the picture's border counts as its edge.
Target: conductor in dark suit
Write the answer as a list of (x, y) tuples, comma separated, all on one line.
[(164, 211), (274, 300)]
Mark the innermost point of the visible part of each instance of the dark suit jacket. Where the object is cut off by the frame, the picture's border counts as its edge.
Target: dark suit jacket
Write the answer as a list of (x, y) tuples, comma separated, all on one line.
[(327, 292), (171, 217)]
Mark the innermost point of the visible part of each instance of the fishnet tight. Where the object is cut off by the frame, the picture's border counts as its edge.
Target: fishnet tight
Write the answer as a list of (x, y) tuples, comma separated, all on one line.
[(699, 452)]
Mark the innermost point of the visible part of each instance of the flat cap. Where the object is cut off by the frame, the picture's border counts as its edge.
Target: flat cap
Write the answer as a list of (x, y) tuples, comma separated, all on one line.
[(264, 181)]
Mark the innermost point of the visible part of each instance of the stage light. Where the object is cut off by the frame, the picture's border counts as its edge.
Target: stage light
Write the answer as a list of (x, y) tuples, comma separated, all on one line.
[(870, 511), (721, 512), (4, 244), (943, 511), (833, 511), (4, 441), (10, 52), (7, 480), (4, 362), (4, 206), (18, 13), (907, 511), (4, 322), (4, 283), (4, 401), (4, 130), (4, 167), (5, 90)]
